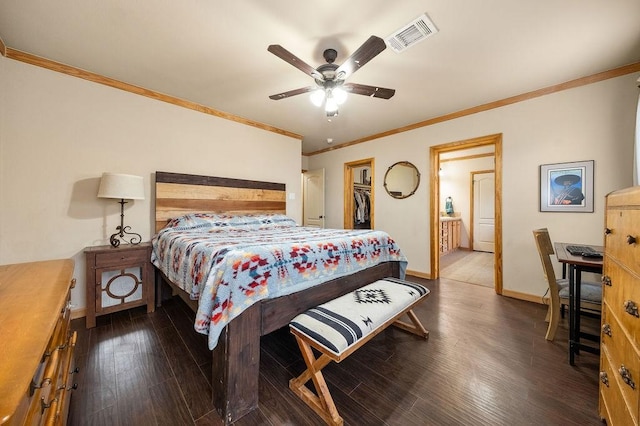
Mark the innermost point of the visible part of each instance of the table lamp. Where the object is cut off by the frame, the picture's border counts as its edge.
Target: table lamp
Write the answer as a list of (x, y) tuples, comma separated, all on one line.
[(122, 187)]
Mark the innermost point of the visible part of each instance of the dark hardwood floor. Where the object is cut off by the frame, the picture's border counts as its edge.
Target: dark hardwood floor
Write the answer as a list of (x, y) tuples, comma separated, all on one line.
[(486, 362)]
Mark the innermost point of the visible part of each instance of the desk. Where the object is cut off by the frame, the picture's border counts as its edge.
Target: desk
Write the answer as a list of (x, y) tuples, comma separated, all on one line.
[(577, 265)]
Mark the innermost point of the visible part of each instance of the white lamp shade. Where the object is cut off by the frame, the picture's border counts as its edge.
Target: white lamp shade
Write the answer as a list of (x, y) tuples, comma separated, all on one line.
[(127, 187)]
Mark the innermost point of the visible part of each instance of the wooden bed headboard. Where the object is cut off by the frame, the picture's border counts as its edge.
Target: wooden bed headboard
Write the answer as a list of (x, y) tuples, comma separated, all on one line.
[(178, 194)]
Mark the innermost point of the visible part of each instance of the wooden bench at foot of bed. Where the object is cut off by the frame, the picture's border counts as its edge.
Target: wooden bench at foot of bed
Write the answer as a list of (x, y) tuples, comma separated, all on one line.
[(341, 326)]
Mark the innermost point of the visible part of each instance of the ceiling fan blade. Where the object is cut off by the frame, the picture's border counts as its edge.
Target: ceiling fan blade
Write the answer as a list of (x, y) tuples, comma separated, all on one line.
[(369, 50), (294, 92), (373, 91), (292, 59)]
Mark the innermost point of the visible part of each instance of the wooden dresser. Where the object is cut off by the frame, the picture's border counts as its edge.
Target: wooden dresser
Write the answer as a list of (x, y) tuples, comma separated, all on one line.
[(620, 334), (36, 353)]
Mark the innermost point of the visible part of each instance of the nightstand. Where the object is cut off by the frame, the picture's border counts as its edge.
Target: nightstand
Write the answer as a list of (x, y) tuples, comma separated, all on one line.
[(118, 278)]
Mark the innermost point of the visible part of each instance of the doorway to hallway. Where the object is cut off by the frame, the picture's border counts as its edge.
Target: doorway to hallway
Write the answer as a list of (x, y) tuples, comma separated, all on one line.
[(440, 160)]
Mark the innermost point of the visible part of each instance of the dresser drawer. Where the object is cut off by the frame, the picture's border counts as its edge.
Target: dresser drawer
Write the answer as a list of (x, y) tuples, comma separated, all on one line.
[(623, 358), (47, 397), (621, 224), (62, 328), (58, 402), (117, 258), (623, 297), (612, 402)]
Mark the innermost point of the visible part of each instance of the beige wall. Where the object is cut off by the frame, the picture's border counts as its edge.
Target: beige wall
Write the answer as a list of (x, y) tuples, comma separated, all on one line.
[(59, 133), (594, 122)]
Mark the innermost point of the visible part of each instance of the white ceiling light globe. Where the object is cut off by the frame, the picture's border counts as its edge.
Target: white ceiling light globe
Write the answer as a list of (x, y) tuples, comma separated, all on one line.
[(317, 97), (340, 95)]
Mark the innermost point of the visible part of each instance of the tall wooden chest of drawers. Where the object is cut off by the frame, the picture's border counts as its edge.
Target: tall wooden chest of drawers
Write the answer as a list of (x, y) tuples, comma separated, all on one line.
[(36, 356), (620, 334)]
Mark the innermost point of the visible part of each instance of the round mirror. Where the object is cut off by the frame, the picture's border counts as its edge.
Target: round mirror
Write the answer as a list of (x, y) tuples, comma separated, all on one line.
[(402, 179)]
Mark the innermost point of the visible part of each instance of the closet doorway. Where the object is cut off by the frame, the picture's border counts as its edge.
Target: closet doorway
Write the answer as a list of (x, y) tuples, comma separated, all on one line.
[(359, 177), (436, 207)]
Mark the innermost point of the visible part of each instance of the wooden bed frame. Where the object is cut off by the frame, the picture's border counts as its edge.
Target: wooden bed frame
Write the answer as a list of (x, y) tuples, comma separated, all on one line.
[(236, 358)]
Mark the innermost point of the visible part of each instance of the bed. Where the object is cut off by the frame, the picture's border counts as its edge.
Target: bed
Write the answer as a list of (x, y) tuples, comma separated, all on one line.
[(271, 290)]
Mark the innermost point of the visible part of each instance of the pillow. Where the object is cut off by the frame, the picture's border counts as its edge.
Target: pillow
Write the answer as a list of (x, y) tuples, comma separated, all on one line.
[(191, 220), (210, 220), (262, 220)]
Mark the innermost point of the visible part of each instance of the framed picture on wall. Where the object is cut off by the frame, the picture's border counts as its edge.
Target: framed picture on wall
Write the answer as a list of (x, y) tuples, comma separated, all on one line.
[(567, 187)]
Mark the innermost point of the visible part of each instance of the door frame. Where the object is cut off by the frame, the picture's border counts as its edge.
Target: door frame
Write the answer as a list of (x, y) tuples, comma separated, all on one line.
[(348, 190), (434, 210)]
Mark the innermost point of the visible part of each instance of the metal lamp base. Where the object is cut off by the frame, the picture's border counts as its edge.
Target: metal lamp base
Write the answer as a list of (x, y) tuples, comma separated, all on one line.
[(123, 233)]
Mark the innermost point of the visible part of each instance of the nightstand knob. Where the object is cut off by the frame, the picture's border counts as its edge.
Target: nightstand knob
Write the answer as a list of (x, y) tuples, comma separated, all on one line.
[(604, 378), (606, 280), (607, 231), (631, 239), (606, 329)]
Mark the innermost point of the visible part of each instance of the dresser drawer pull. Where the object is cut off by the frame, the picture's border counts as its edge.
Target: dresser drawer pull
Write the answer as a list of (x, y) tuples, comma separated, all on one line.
[(631, 308), (606, 280), (607, 231), (626, 377), (44, 405), (50, 371), (604, 378), (631, 239), (606, 329)]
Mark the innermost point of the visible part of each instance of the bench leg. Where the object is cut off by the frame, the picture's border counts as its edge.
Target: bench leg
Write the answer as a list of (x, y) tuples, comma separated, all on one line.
[(322, 404), (416, 326)]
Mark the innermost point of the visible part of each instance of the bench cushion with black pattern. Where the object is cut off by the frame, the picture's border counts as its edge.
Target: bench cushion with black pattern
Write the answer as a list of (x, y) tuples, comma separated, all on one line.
[(339, 327)]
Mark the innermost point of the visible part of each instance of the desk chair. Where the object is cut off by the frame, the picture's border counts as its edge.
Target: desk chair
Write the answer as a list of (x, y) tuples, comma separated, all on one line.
[(590, 293)]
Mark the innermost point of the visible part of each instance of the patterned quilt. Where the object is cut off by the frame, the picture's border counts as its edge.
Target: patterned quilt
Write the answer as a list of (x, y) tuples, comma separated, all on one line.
[(228, 263)]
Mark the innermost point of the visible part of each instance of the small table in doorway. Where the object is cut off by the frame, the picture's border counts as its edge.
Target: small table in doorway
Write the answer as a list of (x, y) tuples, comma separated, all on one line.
[(577, 265)]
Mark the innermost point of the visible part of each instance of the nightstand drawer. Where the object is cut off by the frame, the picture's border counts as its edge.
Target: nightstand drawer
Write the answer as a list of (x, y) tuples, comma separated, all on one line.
[(118, 258)]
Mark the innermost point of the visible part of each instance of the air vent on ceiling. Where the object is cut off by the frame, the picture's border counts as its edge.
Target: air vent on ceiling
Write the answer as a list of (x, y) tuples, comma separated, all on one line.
[(412, 33)]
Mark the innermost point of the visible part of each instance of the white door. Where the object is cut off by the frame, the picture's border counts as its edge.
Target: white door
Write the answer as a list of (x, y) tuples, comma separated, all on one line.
[(484, 212), (313, 201)]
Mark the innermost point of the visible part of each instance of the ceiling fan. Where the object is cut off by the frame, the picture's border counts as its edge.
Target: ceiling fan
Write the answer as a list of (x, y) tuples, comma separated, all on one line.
[(330, 78)]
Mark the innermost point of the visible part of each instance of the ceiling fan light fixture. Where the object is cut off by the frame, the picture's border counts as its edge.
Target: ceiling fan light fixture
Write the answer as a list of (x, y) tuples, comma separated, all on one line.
[(331, 106), (339, 94), (317, 97)]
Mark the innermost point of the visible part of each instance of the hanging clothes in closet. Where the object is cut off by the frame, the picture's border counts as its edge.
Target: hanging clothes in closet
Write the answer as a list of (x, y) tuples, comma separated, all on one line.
[(361, 207)]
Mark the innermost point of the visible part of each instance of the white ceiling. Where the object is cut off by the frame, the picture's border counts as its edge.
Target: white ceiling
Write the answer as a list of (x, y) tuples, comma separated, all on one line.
[(215, 53)]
